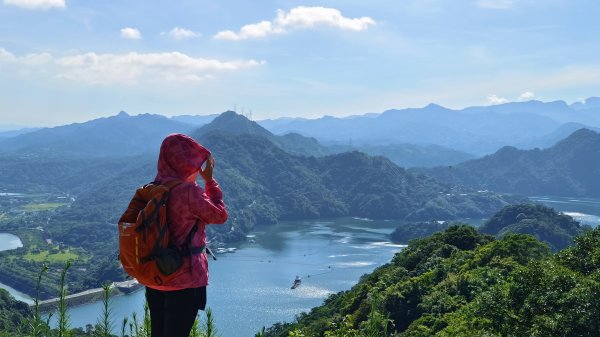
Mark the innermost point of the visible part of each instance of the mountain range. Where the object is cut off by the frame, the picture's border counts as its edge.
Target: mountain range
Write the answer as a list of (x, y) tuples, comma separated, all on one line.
[(474, 130), (124, 135), (569, 168), (264, 183), (120, 135)]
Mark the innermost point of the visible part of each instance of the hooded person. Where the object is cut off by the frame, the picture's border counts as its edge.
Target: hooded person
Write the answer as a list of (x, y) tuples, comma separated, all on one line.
[(174, 304)]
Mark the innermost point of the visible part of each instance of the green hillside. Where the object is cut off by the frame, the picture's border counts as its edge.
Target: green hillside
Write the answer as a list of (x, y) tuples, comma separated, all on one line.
[(569, 168), (547, 225), (461, 283)]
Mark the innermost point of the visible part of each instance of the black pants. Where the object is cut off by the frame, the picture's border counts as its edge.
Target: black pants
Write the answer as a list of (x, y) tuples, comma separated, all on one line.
[(172, 313)]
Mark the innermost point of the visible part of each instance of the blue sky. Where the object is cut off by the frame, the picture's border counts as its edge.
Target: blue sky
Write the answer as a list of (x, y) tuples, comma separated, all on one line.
[(65, 61)]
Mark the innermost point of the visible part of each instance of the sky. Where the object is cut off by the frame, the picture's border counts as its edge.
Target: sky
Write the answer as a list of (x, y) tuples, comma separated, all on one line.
[(65, 61)]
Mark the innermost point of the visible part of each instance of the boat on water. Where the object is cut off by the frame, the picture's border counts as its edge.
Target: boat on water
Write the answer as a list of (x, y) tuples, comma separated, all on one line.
[(223, 250), (296, 283)]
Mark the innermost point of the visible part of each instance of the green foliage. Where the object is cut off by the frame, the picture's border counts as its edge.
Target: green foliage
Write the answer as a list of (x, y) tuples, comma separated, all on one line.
[(105, 324), (63, 317), (462, 283), (547, 225), (568, 168)]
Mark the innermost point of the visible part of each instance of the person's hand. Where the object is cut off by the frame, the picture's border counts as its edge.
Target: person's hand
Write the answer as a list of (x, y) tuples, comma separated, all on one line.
[(207, 173)]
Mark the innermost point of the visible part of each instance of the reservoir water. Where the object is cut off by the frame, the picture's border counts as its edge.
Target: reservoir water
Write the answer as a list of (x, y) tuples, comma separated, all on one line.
[(251, 288), (584, 210), (8, 242)]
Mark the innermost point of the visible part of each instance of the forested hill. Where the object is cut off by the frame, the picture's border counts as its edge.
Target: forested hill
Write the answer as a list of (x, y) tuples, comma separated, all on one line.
[(230, 122), (461, 283), (120, 135), (547, 225), (569, 168)]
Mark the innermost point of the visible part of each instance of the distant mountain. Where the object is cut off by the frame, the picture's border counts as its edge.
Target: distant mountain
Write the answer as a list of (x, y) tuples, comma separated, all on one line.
[(10, 127), (555, 136), (233, 123), (547, 225), (197, 120), (477, 130), (119, 135), (16, 132), (569, 168), (590, 103), (411, 155)]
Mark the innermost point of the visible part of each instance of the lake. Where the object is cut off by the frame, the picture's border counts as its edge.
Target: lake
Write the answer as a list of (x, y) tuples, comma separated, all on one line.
[(8, 242), (250, 288)]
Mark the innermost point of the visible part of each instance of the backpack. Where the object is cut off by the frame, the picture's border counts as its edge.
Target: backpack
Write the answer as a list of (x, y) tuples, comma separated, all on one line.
[(145, 250)]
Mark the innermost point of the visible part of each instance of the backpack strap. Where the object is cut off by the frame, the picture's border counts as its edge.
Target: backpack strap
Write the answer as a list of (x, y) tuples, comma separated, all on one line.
[(192, 250)]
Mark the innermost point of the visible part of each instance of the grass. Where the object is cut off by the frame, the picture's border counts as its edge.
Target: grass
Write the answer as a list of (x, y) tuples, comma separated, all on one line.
[(45, 206), (45, 255)]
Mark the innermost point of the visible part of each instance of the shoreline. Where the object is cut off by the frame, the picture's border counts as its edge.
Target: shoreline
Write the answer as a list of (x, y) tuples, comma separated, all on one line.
[(90, 295)]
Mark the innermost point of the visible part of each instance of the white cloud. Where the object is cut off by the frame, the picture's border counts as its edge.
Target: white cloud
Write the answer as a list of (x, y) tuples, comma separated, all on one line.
[(6, 56), (31, 60), (131, 33), (36, 4), (526, 96), (129, 69), (253, 31), (178, 33), (297, 18), (496, 4), (308, 17), (494, 100)]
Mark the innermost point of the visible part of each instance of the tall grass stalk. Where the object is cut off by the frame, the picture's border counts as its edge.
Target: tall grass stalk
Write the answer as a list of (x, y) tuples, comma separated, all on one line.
[(63, 317), (36, 325), (105, 324), (147, 325), (124, 326), (210, 328), (261, 333), (136, 326), (195, 329)]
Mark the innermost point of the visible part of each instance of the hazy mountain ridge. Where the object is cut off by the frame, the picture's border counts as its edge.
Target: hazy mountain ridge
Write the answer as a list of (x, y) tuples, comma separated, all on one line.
[(478, 130), (569, 168), (119, 135)]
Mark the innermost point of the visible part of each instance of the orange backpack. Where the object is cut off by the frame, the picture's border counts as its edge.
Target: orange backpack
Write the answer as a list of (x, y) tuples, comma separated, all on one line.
[(145, 250)]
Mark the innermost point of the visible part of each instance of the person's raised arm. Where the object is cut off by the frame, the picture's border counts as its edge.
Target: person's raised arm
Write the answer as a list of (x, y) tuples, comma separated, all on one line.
[(209, 206)]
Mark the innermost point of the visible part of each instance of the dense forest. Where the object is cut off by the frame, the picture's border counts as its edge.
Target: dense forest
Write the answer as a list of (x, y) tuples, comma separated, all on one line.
[(408, 231), (553, 228), (463, 283), (569, 168)]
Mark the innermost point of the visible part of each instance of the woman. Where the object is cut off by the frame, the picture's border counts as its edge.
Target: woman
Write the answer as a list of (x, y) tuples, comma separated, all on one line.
[(174, 304)]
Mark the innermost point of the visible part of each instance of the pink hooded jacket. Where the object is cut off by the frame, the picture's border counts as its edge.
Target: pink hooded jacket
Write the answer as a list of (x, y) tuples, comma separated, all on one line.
[(181, 158)]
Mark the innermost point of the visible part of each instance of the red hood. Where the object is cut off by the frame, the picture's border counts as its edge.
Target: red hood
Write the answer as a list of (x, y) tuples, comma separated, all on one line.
[(180, 156)]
